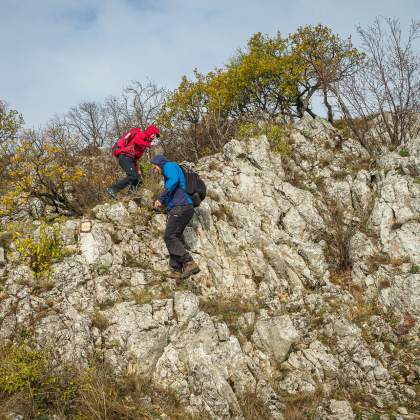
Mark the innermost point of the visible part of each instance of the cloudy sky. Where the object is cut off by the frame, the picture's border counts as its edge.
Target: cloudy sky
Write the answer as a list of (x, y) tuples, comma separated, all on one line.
[(57, 53)]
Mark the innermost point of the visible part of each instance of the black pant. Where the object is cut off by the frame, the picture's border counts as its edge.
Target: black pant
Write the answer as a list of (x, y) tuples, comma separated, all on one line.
[(133, 177), (178, 219)]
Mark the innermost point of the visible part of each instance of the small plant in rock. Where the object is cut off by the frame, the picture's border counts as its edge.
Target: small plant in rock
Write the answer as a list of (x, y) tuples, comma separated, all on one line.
[(414, 269), (404, 153), (6, 238), (104, 269), (109, 303), (311, 190), (40, 248), (28, 386), (114, 237), (339, 231), (144, 297), (341, 175)]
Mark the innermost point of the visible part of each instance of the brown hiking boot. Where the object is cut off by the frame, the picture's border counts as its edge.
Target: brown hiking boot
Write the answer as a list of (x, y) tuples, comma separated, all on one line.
[(190, 268), (175, 275)]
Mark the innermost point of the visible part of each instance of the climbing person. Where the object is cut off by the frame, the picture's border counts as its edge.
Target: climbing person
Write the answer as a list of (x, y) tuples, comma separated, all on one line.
[(128, 150), (181, 211)]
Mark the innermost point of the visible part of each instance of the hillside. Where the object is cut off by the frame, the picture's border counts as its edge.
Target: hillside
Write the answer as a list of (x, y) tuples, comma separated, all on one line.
[(307, 304)]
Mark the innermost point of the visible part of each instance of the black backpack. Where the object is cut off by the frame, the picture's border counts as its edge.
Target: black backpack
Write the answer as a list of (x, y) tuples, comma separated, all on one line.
[(195, 186)]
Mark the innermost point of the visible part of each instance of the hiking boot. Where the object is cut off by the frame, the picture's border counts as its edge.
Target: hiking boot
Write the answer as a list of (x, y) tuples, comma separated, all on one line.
[(190, 268), (175, 275), (112, 193)]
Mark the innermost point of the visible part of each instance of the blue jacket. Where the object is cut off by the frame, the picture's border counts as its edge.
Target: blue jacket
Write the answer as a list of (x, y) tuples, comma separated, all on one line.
[(174, 192)]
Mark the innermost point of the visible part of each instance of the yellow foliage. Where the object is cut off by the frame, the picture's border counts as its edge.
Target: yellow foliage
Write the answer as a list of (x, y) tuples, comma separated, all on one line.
[(43, 166), (38, 250), (275, 77)]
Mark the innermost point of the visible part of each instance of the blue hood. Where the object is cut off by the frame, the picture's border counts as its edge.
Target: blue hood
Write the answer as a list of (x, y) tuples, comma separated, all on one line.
[(160, 161)]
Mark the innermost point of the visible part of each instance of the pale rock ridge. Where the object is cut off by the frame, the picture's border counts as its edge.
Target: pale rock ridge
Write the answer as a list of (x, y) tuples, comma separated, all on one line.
[(256, 236)]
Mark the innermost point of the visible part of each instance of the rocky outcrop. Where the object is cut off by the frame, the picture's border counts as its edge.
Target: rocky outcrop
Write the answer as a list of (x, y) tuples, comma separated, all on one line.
[(265, 316)]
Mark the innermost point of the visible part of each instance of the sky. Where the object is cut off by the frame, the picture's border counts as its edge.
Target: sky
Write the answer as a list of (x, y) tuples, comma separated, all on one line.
[(57, 53)]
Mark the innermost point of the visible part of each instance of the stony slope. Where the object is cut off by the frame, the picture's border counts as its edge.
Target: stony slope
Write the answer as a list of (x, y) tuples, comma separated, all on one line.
[(268, 315)]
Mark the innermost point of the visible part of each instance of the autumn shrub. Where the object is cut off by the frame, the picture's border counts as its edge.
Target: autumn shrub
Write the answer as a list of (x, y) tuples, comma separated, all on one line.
[(58, 170), (193, 121), (45, 166), (272, 76), (30, 387), (38, 249)]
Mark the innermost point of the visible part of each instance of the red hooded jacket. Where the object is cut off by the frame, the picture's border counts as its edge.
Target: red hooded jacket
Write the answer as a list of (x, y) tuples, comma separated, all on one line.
[(139, 142)]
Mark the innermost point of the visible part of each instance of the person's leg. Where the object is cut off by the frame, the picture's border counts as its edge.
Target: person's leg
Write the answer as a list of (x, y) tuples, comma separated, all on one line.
[(133, 177), (177, 221)]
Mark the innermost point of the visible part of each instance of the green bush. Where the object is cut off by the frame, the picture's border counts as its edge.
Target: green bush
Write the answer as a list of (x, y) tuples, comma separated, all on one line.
[(23, 368), (39, 252)]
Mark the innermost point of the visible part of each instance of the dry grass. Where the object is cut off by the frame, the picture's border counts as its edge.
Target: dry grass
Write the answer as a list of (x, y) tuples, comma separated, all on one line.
[(6, 238), (362, 164), (302, 406), (43, 286), (134, 262), (230, 310), (40, 315), (144, 297), (213, 195), (99, 321), (223, 213), (253, 408), (384, 284), (377, 260), (114, 237), (109, 303), (215, 166)]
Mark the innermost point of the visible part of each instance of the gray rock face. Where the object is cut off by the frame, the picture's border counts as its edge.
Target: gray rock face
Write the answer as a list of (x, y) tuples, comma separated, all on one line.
[(341, 410), (264, 318), (274, 336)]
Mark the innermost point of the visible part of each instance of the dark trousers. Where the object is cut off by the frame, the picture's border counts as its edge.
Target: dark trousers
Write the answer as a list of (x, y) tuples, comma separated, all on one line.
[(178, 219), (133, 177)]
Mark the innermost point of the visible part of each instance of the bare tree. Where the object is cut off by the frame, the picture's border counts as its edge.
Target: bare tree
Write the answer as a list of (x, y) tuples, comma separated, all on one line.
[(90, 121), (384, 94), (142, 103), (118, 125)]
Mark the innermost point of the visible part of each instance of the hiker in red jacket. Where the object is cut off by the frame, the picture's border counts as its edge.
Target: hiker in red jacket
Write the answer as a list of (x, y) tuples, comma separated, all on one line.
[(128, 157)]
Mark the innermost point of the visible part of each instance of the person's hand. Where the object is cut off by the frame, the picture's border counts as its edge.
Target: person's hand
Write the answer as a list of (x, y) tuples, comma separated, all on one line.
[(157, 204), (152, 143)]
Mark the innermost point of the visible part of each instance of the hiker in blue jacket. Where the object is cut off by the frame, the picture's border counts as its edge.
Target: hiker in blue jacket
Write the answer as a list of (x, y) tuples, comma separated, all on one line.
[(181, 211)]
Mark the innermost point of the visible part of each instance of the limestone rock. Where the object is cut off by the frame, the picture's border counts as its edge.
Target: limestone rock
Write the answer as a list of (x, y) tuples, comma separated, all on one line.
[(275, 336)]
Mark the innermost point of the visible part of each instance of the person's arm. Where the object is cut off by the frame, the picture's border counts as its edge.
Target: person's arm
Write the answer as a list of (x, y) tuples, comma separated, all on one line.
[(165, 194), (140, 142)]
